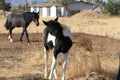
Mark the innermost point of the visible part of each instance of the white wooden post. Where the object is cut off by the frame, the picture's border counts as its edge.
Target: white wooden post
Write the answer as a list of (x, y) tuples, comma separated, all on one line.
[(53, 11), (44, 12)]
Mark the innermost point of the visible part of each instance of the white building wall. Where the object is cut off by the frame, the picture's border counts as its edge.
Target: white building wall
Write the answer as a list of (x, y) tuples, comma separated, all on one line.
[(35, 9), (31, 9), (44, 12), (63, 11), (53, 11)]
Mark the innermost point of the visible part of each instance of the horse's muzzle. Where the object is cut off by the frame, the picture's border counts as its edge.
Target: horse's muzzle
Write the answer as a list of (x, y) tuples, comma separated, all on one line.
[(37, 24)]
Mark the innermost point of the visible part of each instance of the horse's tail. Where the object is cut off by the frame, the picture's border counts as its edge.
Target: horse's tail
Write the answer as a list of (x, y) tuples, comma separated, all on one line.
[(7, 24)]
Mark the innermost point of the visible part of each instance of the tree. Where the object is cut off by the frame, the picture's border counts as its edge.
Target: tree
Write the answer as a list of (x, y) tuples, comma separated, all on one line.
[(26, 5), (2, 3), (66, 3), (7, 6), (4, 6), (113, 6), (18, 9), (98, 5)]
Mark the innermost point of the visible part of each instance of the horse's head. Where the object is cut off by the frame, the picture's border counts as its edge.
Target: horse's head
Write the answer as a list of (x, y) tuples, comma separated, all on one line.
[(36, 18), (54, 27)]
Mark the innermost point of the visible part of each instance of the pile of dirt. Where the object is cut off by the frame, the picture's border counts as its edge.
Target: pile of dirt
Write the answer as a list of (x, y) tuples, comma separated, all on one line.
[(88, 14)]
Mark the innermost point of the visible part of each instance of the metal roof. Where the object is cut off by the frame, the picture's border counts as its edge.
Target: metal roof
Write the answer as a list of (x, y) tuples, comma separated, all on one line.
[(49, 4), (45, 4)]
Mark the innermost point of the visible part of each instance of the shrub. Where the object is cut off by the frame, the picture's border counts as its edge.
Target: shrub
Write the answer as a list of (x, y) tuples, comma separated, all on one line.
[(112, 7)]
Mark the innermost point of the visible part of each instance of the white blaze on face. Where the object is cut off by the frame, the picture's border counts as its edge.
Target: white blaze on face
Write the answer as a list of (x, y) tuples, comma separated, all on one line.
[(51, 38)]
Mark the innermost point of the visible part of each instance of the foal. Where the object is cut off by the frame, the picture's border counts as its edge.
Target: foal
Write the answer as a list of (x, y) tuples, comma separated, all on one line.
[(58, 38)]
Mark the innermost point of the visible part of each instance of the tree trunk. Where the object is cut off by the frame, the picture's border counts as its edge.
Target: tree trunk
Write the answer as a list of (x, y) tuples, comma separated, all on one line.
[(4, 14), (25, 5), (3, 7)]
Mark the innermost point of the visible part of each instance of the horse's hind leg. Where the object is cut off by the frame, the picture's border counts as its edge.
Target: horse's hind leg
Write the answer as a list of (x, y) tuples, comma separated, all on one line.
[(27, 36), (10, 34), (22, 35), (64, 65)]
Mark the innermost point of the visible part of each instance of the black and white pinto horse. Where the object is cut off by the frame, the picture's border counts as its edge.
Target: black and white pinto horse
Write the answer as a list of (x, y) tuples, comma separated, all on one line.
[(58, 38), (21, 20)]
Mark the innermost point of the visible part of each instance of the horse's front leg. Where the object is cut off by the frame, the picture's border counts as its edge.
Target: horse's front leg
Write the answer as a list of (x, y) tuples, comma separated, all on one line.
[(22, 35), (27, 36), (46, 62), (53, 66)]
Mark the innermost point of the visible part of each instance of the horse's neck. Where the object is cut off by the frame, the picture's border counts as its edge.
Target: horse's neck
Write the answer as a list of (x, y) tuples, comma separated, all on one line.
[(63, 38), (28, 17), (66, 34)]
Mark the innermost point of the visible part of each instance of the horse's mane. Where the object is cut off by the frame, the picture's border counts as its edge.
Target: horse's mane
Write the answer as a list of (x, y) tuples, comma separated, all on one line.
[(66, 30), (65, 27)]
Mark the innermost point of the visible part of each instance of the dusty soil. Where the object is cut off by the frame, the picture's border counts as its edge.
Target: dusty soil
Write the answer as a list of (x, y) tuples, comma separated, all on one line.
[(26, 62)]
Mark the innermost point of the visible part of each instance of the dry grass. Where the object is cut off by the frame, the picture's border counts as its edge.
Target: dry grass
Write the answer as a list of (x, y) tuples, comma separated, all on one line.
[(27, 62), (85, 62), (86, 21), (79, 65)]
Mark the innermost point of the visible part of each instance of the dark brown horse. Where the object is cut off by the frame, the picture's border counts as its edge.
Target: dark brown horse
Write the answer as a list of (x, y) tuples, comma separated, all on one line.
[(21, 20)]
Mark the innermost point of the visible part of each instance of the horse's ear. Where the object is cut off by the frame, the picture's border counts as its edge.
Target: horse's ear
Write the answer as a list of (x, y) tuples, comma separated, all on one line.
[(56, 19), (46, 23), (38, 12)]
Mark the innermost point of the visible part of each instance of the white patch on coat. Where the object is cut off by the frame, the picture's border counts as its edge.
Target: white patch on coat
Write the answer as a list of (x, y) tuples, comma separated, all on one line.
[(11, 40), (51, 38)]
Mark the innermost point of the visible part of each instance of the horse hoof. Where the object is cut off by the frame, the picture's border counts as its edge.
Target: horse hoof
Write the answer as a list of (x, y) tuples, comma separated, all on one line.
[(9, 37), (28, 43), (20, 42), (11, 40)]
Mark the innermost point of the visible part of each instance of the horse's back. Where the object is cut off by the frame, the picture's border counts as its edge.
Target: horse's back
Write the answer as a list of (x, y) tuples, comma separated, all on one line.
[(16, 15), (16, 19)]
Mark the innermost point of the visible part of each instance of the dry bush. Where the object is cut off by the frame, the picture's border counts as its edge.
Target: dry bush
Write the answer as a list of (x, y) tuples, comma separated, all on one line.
[(86, 43), (88, 14), (81, 63)]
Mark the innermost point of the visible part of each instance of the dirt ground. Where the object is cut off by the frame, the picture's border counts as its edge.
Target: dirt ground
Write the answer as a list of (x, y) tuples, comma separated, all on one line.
[(26, 62)]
